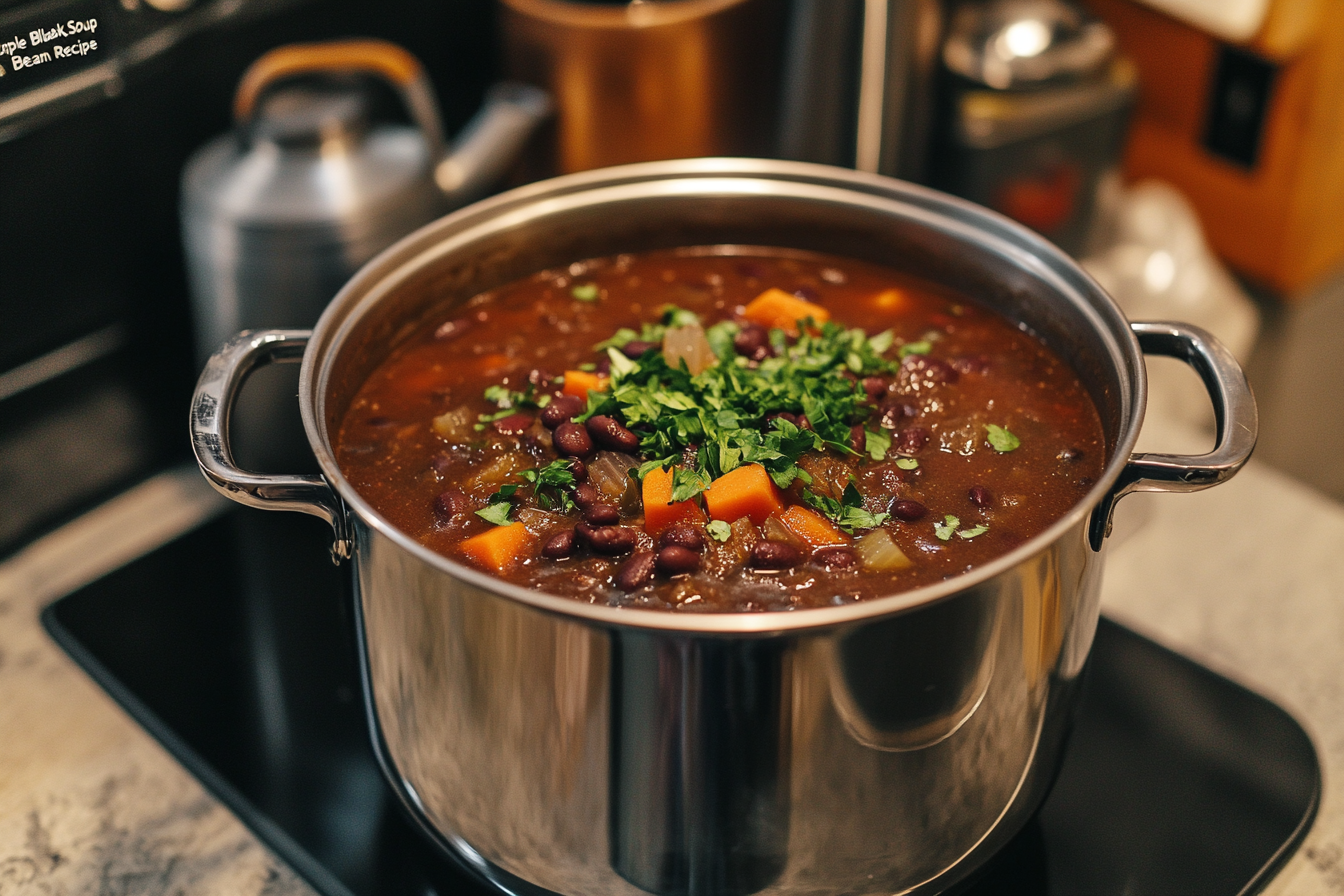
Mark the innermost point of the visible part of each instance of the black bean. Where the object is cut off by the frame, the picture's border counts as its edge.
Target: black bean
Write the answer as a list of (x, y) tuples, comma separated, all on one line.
[(559, 545), (636, 572), (835, 558), (980, 496), (892, 413), (583, 533), (612, 540), (910, 441), (513, 425), (875, 386), (684, 536), (609, 433), (674, 560), (858, 439), (753, 342), (585, 495), (453, 502), (572, 440), (774, 555), (562, 410), (602, 515), (578, 469), (909, 511), (635, 348)]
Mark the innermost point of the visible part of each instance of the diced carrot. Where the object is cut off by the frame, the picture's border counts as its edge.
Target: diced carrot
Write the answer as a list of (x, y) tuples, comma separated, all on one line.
[(891, 301), (494, 364), (746, 491), (659, 511), (578, 382), (498, 548), (775, 308), (812, 527)]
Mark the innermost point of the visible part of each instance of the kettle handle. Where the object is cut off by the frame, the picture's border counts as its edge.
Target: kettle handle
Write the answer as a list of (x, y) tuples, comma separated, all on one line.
[(377, 57), (211, 408)]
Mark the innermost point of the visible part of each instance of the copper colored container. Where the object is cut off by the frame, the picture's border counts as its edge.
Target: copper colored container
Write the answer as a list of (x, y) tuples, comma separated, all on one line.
[(650, 80)]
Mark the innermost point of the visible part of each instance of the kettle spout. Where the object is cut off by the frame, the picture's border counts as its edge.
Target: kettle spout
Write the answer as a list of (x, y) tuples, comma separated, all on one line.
[(491, 141)]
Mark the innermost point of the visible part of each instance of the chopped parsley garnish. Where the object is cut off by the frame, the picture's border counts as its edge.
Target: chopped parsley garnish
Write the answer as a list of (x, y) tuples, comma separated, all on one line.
[(585, 292), (923, 347), (504, 398), (877, 443), (971, 533), (945, 529), (848, 513), (1000, 439), (907, 463), (686, 484), (550, 484), (719, 530), (499, 506)]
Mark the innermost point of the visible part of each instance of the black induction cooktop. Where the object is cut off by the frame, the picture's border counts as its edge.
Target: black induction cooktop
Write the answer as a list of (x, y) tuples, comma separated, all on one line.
[(234, 646)]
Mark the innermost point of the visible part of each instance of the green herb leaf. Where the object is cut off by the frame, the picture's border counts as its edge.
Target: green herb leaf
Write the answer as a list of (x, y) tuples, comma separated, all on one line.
[(588, 367), (720, 337), (719, 530), (971, 533), (550, 484), (881, 342), (686, 484), (877, 442), (585, 292), (1001, 440), (508, 400), (673, 316), (498, 506), (945, 529), (907, 463), (617, 339), (923, 347), (621, 365), (848, 513)]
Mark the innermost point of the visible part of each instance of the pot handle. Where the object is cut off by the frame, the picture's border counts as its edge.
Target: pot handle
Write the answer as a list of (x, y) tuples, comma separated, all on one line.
[(211, 407), (1233, 407)]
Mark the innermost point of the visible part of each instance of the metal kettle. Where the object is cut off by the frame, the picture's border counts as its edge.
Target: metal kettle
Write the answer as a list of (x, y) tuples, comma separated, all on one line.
[(278, 214)]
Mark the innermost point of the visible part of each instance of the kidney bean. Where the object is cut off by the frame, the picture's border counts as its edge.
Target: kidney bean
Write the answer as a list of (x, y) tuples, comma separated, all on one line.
[(636, 572), (803, 422), (910, 441), (752, 269), (585, 495), (603, 366), (544, 380), (875, 386), (892, 413), (513, 425), (602, 515), (753, 342), (453, 502), (635, 348), (835, 558), (559, 546), (612, 540), (683, 536), (774, 555), (674, 560), (578, 469), (907, 510), (980, 496), (572, 440), (453, 328), (858, 439), (562, 410), (609, 433), (1070, 454), (807, 293)]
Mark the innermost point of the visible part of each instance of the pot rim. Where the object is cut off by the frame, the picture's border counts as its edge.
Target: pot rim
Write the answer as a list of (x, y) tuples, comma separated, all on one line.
[(730, 176)]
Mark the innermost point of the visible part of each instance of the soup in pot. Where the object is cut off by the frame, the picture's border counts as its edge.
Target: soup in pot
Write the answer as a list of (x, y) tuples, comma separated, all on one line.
[(722, 429)]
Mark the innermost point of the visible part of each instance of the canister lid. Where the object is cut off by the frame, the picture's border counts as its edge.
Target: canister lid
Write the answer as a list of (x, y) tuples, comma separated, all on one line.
[(1022, 44)]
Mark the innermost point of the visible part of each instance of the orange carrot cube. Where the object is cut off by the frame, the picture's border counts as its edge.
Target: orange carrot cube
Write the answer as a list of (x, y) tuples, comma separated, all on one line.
[(659, 511), (812, 527), (499, 548), (776, 309), (746, 491), (578, 382)]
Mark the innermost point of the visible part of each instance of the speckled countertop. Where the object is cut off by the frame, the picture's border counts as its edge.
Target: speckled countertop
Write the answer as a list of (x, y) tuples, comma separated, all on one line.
[(1247, 578)]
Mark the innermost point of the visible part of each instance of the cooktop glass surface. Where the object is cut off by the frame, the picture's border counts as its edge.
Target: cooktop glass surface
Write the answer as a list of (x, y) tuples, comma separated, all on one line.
[(234, 646)]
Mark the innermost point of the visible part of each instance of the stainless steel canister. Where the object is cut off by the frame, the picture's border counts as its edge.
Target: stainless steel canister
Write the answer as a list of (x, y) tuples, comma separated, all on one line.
[(880, 747)]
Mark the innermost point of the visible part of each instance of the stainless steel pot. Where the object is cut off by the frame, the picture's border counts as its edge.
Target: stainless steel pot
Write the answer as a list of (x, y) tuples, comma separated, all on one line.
[(883, 747)]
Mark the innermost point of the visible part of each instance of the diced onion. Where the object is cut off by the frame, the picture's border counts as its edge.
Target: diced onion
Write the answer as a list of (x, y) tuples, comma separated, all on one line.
[(608, 472), (688, 344), (456, 426), (879, 553), (774, 530)]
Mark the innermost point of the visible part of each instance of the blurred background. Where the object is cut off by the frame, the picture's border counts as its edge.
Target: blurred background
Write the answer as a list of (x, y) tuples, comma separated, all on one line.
[(174, 170)]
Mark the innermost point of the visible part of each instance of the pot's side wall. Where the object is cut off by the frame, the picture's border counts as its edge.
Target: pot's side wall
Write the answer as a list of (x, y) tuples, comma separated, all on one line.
[(870, 759)]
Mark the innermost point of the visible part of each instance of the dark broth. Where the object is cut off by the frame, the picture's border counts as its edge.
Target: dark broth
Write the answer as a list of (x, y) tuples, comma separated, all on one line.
[(965, 369)]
